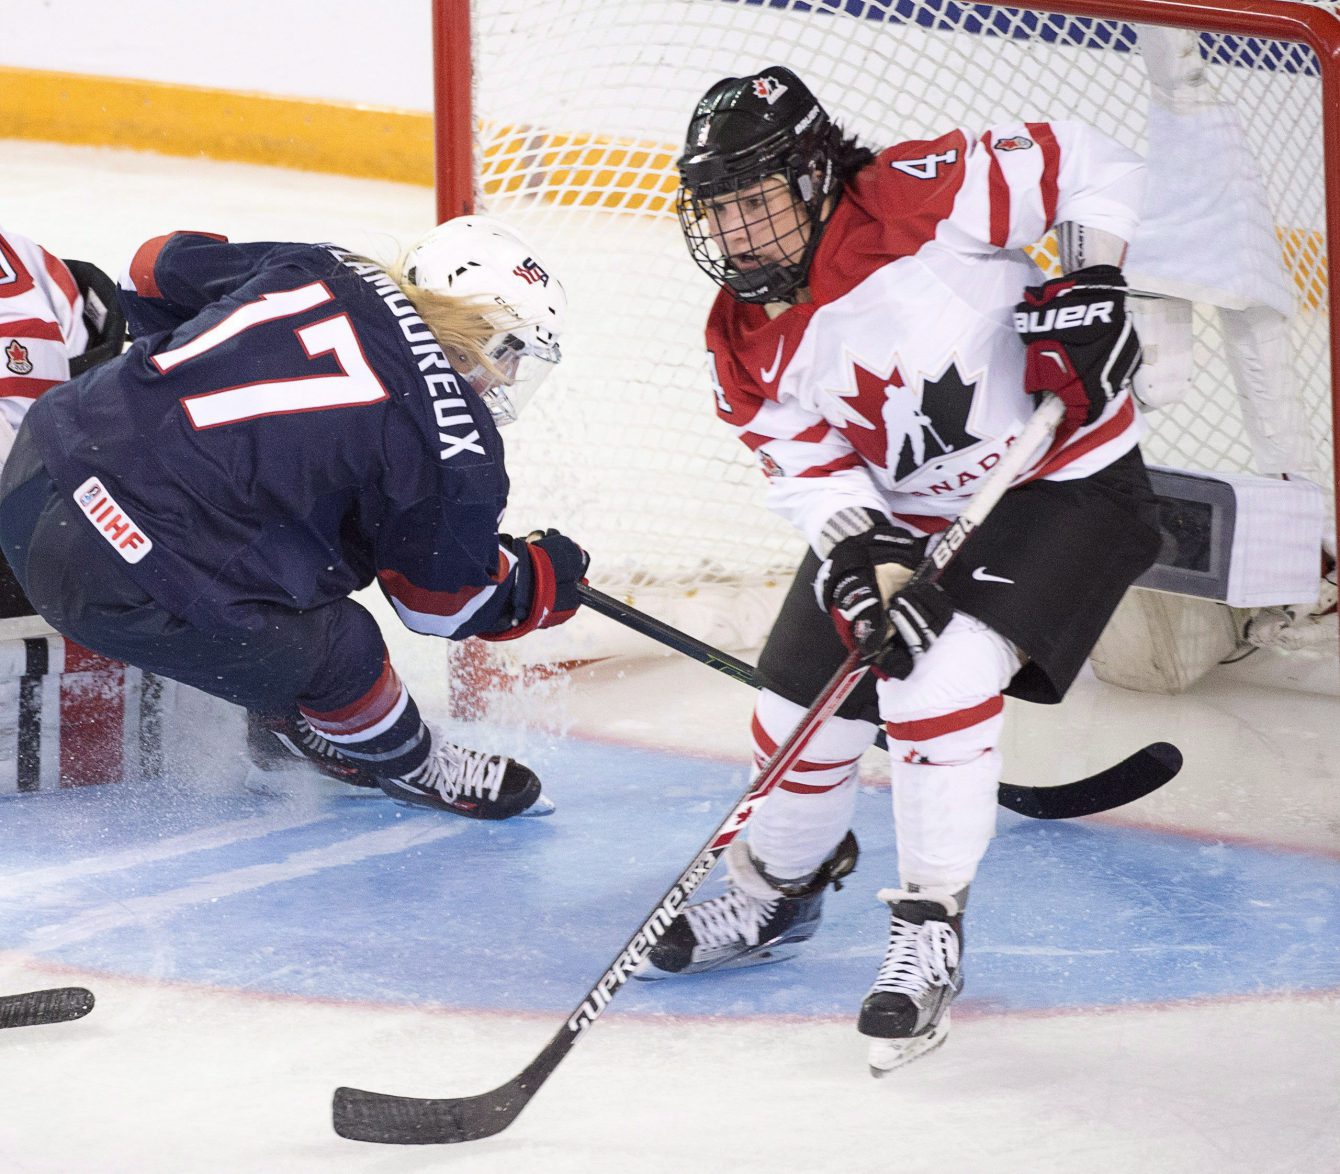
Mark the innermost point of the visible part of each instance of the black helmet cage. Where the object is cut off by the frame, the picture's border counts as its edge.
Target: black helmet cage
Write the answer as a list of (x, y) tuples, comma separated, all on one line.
[(803, 154)]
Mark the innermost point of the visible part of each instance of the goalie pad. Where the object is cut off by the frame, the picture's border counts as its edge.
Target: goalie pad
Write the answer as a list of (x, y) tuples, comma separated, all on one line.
[(1157, 643), (74, 717), (1259, 354), (1206, 233), (1164, 327), (1208, 236)]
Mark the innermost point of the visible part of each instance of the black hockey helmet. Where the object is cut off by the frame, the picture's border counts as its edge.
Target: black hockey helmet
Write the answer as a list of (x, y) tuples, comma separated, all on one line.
[(744, 130)]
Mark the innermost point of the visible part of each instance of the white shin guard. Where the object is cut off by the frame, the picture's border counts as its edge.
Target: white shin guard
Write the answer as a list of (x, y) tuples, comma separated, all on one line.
[(800, 823), (944, 724)]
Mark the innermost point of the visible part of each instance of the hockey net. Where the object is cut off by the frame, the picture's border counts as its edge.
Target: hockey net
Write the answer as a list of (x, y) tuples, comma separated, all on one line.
[(566, 117)]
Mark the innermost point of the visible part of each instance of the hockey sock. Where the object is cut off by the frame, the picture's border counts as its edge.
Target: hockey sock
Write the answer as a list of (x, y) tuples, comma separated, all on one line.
[(801, 822), (381, 729)]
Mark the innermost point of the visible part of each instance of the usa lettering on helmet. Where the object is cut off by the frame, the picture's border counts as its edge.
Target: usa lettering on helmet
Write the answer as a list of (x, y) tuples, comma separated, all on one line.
[(480, 258)]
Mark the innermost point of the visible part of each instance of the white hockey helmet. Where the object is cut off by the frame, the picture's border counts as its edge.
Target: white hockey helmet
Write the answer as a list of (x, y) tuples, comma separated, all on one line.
[(483, 259)]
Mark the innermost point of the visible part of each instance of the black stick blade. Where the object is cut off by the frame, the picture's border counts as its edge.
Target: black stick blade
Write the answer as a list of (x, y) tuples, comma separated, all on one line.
[(1141, 774), (58, 1005), (391, 1120)]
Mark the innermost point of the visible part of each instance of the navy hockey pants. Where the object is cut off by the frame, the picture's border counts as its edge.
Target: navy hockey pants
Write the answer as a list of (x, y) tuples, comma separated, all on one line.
[(324, 657)]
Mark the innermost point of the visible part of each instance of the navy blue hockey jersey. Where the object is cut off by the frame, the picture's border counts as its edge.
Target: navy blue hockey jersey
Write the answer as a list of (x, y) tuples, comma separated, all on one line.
[(283, 429)]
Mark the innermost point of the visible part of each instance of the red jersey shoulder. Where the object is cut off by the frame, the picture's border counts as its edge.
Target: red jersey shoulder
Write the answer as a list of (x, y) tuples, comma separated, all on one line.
[(15, 280), (749, 351), (891, 209), (925, 160)]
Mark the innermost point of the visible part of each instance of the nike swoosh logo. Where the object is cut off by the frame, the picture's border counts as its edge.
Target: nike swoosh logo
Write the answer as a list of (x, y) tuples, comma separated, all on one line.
[(980, 574), (770, 373)]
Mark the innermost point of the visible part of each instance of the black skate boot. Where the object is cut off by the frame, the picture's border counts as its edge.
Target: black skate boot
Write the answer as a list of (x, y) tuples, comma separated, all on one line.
[(470, 783), (907, 1010), (753, 923), (274, 742)]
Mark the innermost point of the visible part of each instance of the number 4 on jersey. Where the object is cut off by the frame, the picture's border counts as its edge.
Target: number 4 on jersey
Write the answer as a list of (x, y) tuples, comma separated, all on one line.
[(927, 167)]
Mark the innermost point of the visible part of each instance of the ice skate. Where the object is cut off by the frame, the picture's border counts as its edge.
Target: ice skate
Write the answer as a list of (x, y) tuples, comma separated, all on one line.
[(906, 1012), (273, 743), (471, 783), (756, 922)]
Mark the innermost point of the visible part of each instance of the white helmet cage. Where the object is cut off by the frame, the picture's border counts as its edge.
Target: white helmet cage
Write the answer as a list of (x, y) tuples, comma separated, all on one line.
[(483, 259)]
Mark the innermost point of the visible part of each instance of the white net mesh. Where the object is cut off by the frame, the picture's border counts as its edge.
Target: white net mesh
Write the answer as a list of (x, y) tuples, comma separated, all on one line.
[(581, 106)]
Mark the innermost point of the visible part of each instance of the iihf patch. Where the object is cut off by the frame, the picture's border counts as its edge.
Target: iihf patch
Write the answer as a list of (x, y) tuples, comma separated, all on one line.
[(16, 356), (113, 523), (1014, 143), (770, 467)]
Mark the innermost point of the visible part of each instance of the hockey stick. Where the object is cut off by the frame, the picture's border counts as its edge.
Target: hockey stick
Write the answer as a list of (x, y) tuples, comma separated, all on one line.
[(381, 1117), (1132, 778), (374, 1116), (33, 1008)]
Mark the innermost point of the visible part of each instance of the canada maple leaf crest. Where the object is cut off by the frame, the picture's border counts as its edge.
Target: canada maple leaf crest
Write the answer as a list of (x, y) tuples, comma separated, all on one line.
[(16, 358), (857, 410), (926, 424)]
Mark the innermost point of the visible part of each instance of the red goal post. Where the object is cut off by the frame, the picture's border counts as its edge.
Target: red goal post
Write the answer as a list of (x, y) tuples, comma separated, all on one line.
[(565, 118)]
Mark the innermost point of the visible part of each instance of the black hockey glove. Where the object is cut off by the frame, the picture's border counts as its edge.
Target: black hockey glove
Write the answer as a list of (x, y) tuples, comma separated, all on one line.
[(1082, 346), (918, 615), (103, 316), (544, 590), (860, 584)]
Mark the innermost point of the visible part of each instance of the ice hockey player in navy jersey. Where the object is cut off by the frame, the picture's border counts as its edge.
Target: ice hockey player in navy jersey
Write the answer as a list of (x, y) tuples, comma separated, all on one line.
[(877, 342), (57, 318), (291, 423)]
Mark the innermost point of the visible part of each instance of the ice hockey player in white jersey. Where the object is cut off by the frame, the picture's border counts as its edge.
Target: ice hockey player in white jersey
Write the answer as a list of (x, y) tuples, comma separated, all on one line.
[(875, 342), (57, 318)]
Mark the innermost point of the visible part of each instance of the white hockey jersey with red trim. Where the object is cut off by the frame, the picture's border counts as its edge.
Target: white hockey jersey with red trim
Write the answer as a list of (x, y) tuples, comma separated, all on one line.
[(901, 383), (41, 327)]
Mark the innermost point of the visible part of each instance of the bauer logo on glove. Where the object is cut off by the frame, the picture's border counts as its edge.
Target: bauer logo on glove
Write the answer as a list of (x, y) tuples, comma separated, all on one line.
[(1081, 344)]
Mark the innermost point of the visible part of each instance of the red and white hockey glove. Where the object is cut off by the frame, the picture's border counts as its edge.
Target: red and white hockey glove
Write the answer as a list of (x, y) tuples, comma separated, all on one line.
[(861, 585), (1082, 345), (544, 592)]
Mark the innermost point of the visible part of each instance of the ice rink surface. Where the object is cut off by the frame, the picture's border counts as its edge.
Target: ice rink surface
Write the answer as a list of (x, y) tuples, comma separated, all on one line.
[(1153, 990)]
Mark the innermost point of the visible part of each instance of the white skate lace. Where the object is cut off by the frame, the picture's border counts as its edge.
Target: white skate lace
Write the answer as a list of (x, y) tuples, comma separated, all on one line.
[(732, 917), (309, 744), (919, 957), (319, 745), (454, 771)]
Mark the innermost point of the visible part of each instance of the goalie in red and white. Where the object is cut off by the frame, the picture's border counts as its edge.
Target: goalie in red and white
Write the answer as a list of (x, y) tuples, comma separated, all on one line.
[(89, 720), (57, 318), (875, 343)]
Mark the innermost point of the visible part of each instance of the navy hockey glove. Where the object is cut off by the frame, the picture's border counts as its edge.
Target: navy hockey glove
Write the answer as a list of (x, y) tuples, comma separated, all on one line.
[(1082, 346), (860, 585), (544, 591)]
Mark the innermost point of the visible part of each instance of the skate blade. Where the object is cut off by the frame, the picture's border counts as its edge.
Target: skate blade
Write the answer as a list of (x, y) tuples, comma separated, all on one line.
[(542, 806), (887, 1054), (646, 972), (297, 782)]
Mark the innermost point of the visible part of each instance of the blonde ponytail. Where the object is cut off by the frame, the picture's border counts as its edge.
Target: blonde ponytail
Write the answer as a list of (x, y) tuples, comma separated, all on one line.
[(461, 325)]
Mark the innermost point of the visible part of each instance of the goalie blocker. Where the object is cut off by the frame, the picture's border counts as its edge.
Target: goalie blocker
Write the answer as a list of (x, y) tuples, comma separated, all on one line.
[(1236, 538), (1230, 541)]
